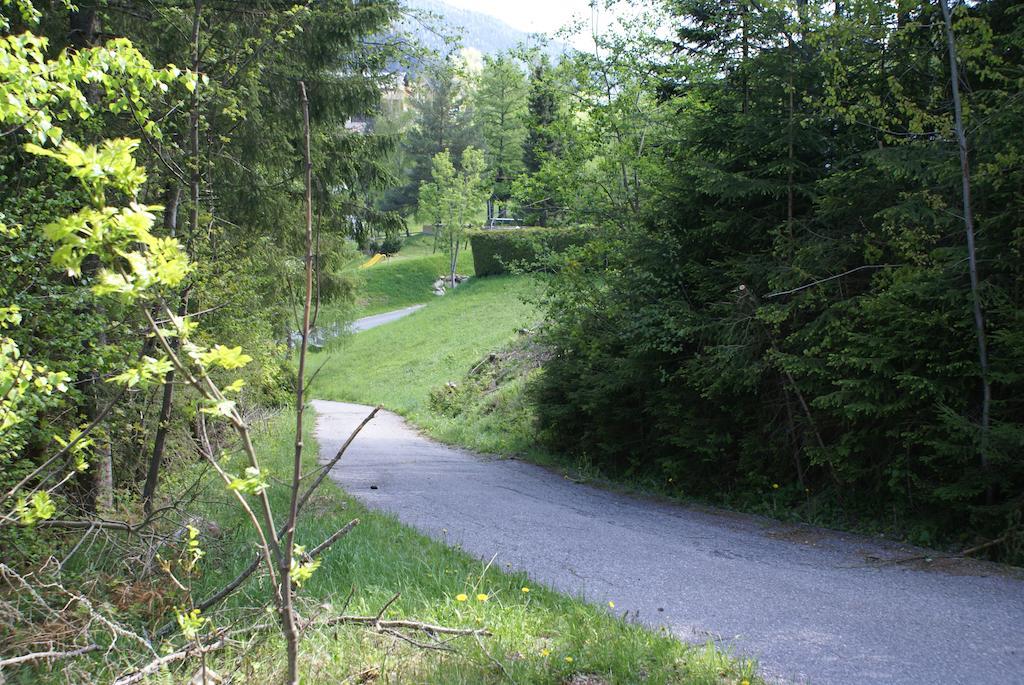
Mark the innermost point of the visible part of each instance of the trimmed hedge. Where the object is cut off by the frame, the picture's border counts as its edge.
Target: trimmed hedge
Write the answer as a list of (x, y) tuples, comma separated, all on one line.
[(495, 250)]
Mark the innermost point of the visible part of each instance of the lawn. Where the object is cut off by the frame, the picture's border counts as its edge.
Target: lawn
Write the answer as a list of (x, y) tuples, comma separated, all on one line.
[(406, 278), (397, 365)]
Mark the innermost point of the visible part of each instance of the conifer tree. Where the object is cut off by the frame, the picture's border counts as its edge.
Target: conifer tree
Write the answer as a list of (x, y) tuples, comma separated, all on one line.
[(501, 109)]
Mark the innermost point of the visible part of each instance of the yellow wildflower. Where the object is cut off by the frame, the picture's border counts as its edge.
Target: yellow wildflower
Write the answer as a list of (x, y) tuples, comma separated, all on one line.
[(481, 597), (525, 589), (545, 652), (461, 597), (568, 659), (775, 486), (611, 604)]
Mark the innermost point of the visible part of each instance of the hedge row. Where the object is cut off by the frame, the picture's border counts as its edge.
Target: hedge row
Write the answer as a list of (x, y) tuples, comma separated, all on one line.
[(495, 251)]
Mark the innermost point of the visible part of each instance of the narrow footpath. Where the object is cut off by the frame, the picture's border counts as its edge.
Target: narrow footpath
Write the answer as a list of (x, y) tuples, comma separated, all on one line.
[(811, 605), (368, 322)]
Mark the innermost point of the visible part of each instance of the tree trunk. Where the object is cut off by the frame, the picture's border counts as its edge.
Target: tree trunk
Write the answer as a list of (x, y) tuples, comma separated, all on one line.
[(194, 122), (103, 476), (453, 244), (83, 27), (288, 624), (972, 263), (745, 55), (166, 402)]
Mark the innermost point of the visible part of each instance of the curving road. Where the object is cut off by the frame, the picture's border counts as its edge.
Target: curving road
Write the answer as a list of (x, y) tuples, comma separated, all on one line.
[(368, 322), (811, 605)]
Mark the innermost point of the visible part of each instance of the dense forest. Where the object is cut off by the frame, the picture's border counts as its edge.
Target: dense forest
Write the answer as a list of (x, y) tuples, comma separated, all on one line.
[(810, 282), (793, 269)]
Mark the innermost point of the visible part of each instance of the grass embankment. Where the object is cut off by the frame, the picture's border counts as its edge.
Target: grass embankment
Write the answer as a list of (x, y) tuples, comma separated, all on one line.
[(539, 636), (406, 278), (399, 365)]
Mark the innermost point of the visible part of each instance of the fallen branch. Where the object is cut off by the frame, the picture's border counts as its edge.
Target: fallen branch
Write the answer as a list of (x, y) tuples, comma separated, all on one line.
[(115, 628), (38, 656), (323, 546), (984, 545), (428, 628), (489, 358), (103, 523), (493, 660), (182, 654), (439, 646), (384, 608), (932, 557)]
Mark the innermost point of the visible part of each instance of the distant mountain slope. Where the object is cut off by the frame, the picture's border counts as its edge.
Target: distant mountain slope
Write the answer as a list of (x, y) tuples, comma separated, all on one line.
[(481, 31)]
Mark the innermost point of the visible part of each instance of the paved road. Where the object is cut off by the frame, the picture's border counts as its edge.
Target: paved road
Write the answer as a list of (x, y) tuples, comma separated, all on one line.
[(811, 605), (368, 322)]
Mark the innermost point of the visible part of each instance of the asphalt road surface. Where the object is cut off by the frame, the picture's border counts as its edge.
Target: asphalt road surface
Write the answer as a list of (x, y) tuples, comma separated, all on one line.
[(811, 605), (368, 322)]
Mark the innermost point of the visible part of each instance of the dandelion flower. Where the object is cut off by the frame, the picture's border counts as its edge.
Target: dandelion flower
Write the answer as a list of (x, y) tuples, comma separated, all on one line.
[(775, 486), (744, 682), (481, 597), (461, 597), (525, 589), (545, 652), (568, 659), (611, 604)]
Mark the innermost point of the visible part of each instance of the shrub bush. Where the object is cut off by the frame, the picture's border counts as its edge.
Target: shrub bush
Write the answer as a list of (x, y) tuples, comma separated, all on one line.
[(495, 251), (387, 246)]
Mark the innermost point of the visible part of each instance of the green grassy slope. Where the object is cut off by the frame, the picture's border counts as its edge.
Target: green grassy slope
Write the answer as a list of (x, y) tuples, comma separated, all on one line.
[(406, 278), (397, 365)]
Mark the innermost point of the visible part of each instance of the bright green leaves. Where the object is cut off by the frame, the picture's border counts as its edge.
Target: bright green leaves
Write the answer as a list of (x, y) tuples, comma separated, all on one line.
[(79, 446), (181, 327), (225, 357), (193, 552), (208, 359), (254, 482), (190, 622), (25, 388), (110, 164), (143, 375), (26, 391), (302, 567), (235, 386), (223, 408), (453, 196), (36, 92), (29, 14), (115, 236), (10, 315), (39, 507)]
